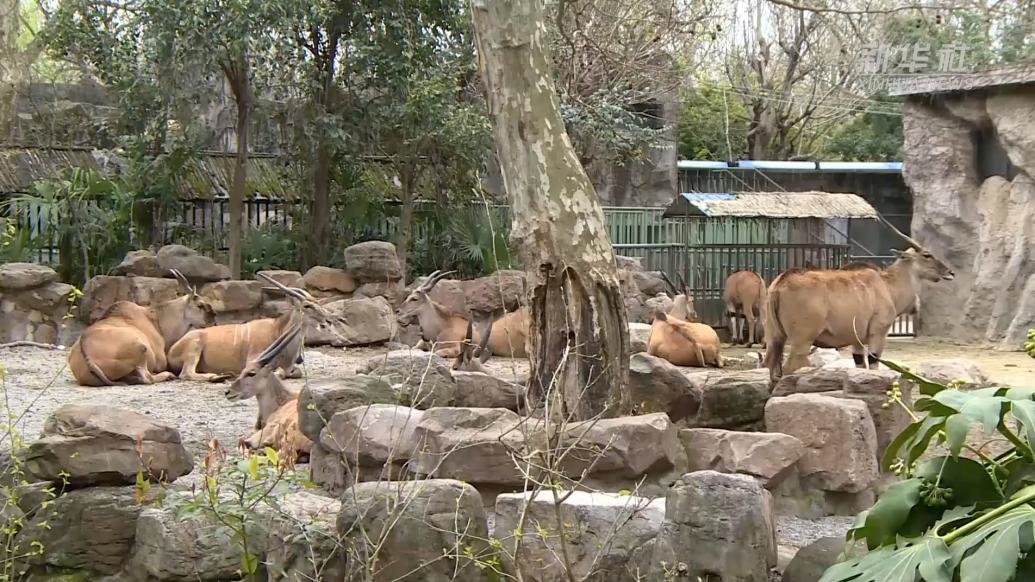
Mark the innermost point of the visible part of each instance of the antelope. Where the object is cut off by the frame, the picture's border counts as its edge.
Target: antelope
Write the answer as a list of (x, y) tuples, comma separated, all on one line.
[(678, 339), (471, 358), (445, 331), (127, 345), (215, 353), (276, 425), (839, 308), (744, 296)]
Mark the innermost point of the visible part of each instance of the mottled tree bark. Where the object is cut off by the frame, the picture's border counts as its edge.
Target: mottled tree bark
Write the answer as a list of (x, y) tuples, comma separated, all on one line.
[(237, 73), (579, 333)]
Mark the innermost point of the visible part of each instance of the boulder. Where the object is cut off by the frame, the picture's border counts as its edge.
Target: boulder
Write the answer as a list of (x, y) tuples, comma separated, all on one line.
[(832, 379), (481, 390), (639, 337), (809, 564), (627, 446), (502, 291), (636, 312), (329, 279), (367, 321), (423, 380), (873, 382), (658, 304), (141, 263), (317, 555), (227, 296), (767, 456), (732, 399), (888, 419), (196, 268), (821, 357), (954, 370), (470, 444), (329, 469), (319, 400), (839, 438), (629, 263), (602, 532), (90, 529), (17, 276), (655, 385), (98, 445), (415, 524), (373, 435), (716, 526), (288, 278), (50, 298), (650, 283), (102, 291), (373, 262), (393, 291)]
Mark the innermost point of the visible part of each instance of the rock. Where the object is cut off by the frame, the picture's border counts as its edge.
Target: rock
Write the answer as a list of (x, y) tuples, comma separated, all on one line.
[(470, 444), (602, 531), (809, 564), (732, 400), (629, 263), (767, 456), (319, 400), (636, 311), (650, 283), (196, 268), (367, 321), (196, 547), (422, 379), (716, 526), (481, 390), (16, 276), (863, 381), (393, 291), (655, 385), (329, 469), (839, 438), (416, 523), (821, 357), (502, 291), (315, 556), (102, 291), (141, 263), (329, 279), (448, 293), (817, 380), (945, 371), (657, 304), (233, 295), (373, 262), (373, 435), (626, 446), (97, 445), (50, 298), (639, 337), (287, 278), (888, 421), (91, 529)]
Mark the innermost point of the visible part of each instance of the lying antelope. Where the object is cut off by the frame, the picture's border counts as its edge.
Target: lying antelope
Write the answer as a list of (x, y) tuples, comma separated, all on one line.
[(682, 342), (216, 353), (277, 423), (840, 308), (445, 331), (744, 296), (127, 345)]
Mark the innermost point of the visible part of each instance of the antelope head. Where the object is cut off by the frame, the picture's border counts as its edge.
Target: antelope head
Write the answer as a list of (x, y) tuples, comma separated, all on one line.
[(187, 312), (418, 300), (316, 313), (920, 260), (258, 374), (682, 302)]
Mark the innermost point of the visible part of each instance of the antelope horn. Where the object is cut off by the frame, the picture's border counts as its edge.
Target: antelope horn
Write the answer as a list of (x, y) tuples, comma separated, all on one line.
[(671, 285), (183, 282), (902, 235), (682, 283), (289, 291), (433, 279), (278, 345)]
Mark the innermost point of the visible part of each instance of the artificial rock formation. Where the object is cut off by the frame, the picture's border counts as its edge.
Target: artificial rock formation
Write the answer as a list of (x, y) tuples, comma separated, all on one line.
[(33, 303)]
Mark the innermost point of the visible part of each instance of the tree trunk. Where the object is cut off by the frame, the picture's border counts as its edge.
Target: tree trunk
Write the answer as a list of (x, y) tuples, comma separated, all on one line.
[(326, 100), (240, 84), (579, 333), (402, 239)]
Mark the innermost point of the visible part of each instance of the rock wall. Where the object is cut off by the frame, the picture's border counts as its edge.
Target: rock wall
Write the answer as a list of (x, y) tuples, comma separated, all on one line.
[(968, 213), (33, 304)]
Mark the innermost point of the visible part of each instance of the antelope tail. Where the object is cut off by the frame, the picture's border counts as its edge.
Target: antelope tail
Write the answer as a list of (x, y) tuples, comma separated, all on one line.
[(775, 336), (93, 367)]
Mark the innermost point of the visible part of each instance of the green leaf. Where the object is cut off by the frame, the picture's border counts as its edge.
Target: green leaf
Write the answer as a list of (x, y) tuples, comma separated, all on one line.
[(956, 428), (927, 387), (990, 553), (1024, 411), (928, 557), (891, 452), (970, 482), (249, 563), (272, 456), (891, 511), (253, 467)]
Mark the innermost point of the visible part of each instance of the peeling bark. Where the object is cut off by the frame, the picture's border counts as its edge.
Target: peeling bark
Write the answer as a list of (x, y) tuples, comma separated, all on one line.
[(579, 333)]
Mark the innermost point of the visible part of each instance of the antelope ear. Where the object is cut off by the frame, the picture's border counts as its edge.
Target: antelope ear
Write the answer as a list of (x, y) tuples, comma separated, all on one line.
[(898, 253)]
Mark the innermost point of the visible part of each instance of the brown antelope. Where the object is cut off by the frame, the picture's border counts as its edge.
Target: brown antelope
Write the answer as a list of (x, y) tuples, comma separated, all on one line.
[(840, 308), (127, 345), (445, 331), (472, 358), (744, 296), (676, 337), (277, 423), (218, 352)]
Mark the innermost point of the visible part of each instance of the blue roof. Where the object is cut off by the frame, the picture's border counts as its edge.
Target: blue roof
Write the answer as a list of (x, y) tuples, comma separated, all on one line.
[(707, 196), (795, 166)]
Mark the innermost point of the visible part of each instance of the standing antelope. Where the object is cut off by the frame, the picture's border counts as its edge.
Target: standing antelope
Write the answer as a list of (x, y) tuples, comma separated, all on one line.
[(277, 423), (214, 353), (839, 308), (745, 303), (127, 345), (472, 358), (445, 331), (682, 342)]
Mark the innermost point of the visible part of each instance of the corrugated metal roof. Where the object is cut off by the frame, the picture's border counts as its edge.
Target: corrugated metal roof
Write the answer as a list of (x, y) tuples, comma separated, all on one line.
[(773, 205), (785, 166), (209, 176)]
